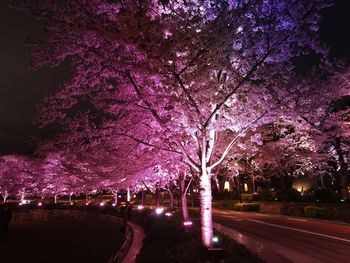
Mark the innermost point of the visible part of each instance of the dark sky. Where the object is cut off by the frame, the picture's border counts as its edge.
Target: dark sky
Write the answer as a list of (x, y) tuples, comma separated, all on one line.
[(22, 89)]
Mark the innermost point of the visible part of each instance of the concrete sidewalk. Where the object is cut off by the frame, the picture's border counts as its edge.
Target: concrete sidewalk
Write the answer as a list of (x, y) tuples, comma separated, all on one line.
[(136, 245)]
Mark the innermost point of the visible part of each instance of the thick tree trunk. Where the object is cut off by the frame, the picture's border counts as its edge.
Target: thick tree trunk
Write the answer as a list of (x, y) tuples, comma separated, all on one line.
[(128, 196), (206, 208), (115, 195), (22, 195)]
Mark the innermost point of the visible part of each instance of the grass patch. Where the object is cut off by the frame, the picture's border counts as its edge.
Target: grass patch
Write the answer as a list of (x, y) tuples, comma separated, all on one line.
[(167, 240)]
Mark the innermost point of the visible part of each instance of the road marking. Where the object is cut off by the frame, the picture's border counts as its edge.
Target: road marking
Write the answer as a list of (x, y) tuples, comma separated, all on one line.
[(300, 230), (297, 219), (261, 215)]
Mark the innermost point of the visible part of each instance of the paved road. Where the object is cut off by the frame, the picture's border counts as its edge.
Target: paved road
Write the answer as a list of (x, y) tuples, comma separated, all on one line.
[(293, 239), (282, 239)]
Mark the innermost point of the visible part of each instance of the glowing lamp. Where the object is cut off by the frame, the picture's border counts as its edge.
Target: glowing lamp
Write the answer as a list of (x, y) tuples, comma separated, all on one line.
[(86, 203), (168, 214), (188, 223), (140, 207), (71, 203), (102, 204), (40, 204), (114, 204), (159, 210), (215, 239)]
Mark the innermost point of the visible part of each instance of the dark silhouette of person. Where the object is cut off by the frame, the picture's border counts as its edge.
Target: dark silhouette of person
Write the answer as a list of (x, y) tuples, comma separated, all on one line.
[(5, 218)]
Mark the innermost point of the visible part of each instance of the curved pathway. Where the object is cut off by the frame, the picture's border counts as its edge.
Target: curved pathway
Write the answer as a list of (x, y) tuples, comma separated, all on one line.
[(136, 245)]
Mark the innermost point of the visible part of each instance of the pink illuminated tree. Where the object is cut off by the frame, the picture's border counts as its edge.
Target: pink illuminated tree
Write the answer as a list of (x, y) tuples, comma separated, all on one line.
[(174, 75), (19, 176)]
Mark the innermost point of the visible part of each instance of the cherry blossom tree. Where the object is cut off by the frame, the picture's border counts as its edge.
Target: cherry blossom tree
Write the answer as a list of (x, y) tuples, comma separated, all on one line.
[(176, 73), (18, 176)]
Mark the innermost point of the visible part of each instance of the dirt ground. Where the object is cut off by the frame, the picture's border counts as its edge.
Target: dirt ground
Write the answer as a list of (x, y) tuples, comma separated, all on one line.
[(92, 240)]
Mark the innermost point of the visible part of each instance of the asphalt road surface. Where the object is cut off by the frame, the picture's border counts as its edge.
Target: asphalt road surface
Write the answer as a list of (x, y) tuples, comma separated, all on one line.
[(292, 239)]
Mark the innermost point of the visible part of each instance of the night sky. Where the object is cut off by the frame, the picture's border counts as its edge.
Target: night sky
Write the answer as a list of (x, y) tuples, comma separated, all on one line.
[(22, 89)]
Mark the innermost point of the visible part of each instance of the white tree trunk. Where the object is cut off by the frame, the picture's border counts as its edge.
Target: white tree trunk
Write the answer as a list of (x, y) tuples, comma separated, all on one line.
[(4, 196), (183, 196), (205, 199), (206, 209), (56, 196), (70, 197), (22, 195), (128, 196), (115, 195)]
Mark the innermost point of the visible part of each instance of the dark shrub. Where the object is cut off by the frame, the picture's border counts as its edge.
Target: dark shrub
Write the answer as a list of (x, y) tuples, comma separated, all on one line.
[(312, 211), (289, 195), (247, 207), (325, 195)]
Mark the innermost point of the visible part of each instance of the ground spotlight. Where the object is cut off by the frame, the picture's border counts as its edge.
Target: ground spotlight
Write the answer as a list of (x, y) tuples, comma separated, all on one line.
[(159, 210), (188, 223)]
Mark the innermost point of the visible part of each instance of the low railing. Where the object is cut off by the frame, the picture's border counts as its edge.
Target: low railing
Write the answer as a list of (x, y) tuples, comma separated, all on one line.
[(124, 248)]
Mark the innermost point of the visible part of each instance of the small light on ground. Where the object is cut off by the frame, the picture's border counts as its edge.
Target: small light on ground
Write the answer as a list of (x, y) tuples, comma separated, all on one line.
[(159, 210), (71, 203), (140, 207), (168, 214), (86, 203), (188, 223), (102, 204), (114, 204), (40, 204), (215, 239)]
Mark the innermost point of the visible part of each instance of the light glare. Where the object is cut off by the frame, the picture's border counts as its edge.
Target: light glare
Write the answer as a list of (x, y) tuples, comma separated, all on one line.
[(188, 223), (159, 210)]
